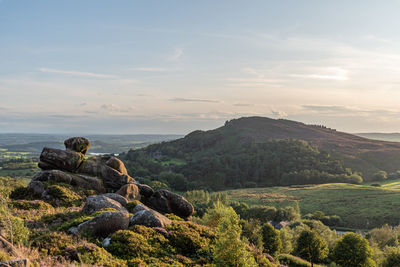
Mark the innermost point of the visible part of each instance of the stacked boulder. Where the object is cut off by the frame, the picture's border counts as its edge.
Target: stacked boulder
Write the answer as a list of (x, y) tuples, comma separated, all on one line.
[(107, 176)]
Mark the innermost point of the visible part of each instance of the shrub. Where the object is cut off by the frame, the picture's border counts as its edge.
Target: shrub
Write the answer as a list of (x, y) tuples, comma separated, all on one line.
[(127, 244), (62, 195), (311, 246), (293, 261), (52, 243), (132, 204), (93, 255), (31, 204), (271, 239), (4, 256), (22, 192), (392, 257), (352, 250), (173, 217)]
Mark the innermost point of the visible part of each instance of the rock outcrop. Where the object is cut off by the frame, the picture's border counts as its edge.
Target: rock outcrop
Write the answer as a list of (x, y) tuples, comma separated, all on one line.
[(130, 192), (77, 144), (168, 202)]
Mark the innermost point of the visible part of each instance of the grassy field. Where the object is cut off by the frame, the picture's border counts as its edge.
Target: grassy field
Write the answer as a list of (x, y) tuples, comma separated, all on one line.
[(359, 206)]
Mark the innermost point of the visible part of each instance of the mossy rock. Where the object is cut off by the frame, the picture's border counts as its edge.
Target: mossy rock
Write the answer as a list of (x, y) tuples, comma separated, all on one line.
[(173, 217), (62, 195), (31, 205), (132, 204), (23, 192)]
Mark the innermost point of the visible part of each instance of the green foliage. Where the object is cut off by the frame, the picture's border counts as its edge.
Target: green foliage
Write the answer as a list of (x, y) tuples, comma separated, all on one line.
[(271, 239), (293, 261), (127, 244), (157, 185), (229, 249), (352, 250), (62, 195), (384, 236), (380, 176), (176, 181), (392, 257), (190, 239), (173, 217), (31, 204), (4, 256), (251, 230), (91, 254), (311, 246), (52, 243)]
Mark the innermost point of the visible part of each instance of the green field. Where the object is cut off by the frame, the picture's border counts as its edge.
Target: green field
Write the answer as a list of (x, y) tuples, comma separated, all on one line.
[(359, 206)]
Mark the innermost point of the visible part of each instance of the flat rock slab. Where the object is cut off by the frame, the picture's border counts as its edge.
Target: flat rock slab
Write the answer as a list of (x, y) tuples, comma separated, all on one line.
[(57, 159)]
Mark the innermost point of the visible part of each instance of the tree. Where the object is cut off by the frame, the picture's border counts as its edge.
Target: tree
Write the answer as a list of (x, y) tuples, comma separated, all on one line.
[(352, 250), (229, 249), (271, 239), (380, 176), (311, 246)]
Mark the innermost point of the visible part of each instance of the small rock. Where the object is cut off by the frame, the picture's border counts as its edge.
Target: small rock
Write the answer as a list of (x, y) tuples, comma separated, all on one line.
[(143, 215), (129, 191), (105, 223), (115, 196), (117, 164), (106, 241), (96, 203), (37, 187), (78, 144)]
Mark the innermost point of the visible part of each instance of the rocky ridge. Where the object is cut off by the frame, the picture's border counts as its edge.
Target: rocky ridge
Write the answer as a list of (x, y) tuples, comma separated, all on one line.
[(113, 190)]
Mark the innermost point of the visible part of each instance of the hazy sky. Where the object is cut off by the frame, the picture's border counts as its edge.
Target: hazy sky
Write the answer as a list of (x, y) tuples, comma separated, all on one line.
[(176, 66)]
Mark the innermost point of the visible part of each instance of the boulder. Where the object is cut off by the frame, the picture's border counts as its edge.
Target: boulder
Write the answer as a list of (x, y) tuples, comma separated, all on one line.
[(77, 144), (112, 178), (167, 202), (57, 159), (143, 215), (117, 164), (37, 187), (105, 223), (114, 196), (96, 203), (145, 190), (129, 191), (58, 176)]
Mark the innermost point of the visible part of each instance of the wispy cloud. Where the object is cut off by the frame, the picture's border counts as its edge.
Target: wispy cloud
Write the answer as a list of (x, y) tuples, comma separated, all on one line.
[(242, 105), (332, 73), (176, 55), (78, 73), (180, 99), (115, 108), (149, 69)]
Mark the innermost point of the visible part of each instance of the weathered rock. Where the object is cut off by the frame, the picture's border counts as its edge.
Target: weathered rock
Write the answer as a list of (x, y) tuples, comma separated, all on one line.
[(15, 263), (129, 191), (167, 202), (105, 223), (143, 215), (58, 176), (112, 178), (78, 144), (145, 190), (37, 187), (117, 164), (114, 196), (96, 203), (67, 160)]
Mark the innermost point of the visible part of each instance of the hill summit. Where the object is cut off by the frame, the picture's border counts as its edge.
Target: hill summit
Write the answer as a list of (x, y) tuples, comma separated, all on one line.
[(258, 151)]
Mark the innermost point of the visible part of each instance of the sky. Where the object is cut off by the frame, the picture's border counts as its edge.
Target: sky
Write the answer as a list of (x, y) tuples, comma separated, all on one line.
[(169, 66)]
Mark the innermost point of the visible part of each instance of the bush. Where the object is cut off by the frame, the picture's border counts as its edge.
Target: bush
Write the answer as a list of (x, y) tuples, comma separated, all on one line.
[(62, 195), (31, 205), (52, 243), (392, 257), (126, 244), (271, 239), (352, 250), (293, 261), (93, 255)]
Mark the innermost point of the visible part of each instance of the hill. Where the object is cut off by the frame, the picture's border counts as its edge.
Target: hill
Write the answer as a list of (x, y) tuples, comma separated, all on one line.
[(257, 151), (391, 137)]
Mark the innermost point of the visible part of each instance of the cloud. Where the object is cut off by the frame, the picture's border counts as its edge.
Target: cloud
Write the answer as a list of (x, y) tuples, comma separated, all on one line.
[(176, 55), (78, 73), (180, 99), (115, 108), (82, 104), (242, 105), (278, 113), (150, 69), (332, 73)]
